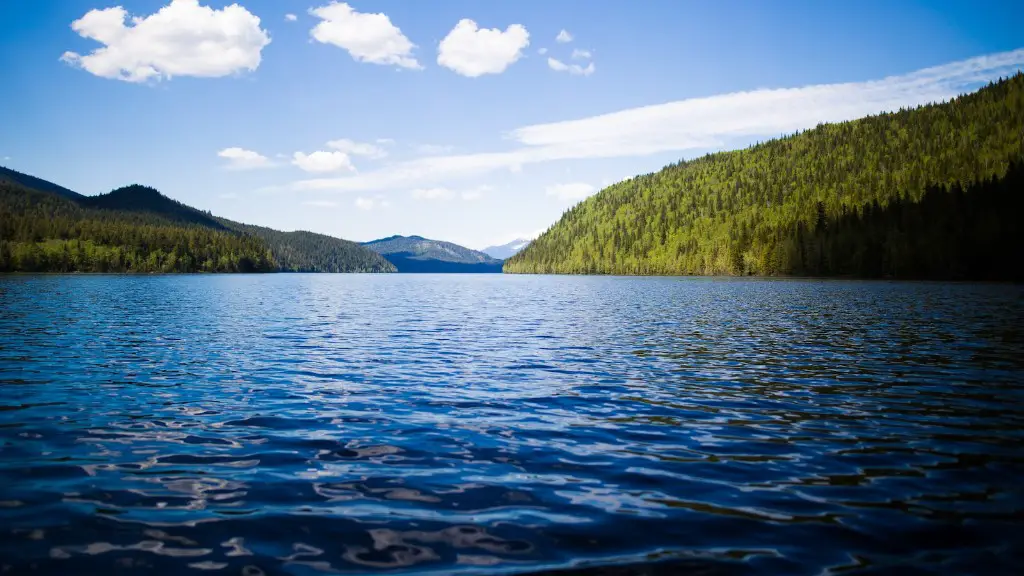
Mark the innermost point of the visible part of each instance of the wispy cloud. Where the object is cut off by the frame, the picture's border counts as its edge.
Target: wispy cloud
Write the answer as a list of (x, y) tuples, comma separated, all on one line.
[(692, 124), (475, 193), (574, 69), (365, 203), (242, 159), (563, 37), (441, 193), (323, 161), (432, 149), (321, 203), (433, 194), (366, 149)]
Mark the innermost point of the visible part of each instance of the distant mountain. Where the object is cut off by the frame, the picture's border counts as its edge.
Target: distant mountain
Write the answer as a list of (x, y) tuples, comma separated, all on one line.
[(48, 228), (506, 250), (418, 254), (8, 175)]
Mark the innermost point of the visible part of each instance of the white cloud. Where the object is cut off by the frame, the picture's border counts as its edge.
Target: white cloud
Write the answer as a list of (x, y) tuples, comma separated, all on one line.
[(321, 203), (181, 39), (385, 141), (578, 54), (432, 149), (439, 193), (433, 194), (290, 17), (242, 159), (542, 51), (693, 124), (571, 192), (370, 203), (574, 69), (472, 51), (563, 37), (323, 161), (357, 148), (367, 37), (475, 193)]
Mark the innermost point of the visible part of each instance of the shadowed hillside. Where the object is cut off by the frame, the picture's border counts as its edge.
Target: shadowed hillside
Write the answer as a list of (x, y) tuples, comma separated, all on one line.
[(143, 199), (31, 182)]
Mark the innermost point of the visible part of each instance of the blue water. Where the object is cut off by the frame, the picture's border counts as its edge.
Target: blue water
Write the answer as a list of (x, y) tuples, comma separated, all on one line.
[(312, 424)]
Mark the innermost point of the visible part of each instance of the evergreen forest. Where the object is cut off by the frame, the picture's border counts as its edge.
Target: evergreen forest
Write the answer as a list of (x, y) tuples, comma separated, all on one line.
[(929, 192), (48, 228)]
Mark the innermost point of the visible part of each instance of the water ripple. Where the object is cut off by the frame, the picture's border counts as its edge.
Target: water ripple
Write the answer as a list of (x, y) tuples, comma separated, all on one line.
[(308, 424)]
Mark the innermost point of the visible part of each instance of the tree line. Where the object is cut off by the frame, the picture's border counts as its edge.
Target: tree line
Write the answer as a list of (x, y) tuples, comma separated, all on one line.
[(757, 210), (42, 232), (47, 228)]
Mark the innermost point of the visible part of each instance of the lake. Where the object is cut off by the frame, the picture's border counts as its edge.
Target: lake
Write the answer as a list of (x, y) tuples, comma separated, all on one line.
[(311, 424)]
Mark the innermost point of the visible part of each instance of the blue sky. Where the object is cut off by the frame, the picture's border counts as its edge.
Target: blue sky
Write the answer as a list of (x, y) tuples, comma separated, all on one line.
[(445, 119)]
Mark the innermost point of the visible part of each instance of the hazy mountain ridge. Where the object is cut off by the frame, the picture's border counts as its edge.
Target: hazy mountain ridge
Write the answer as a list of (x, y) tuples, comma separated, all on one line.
[(507, 250), (419, 254)]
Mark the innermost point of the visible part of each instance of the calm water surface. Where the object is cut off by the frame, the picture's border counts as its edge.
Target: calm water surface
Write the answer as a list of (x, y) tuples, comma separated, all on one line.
[(311, 424)]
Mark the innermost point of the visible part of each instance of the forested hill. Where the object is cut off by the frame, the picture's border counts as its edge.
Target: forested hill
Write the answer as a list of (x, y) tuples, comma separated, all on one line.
[(44, 232), (33, 183), (302, 251), (48, 228), (137, 198), (773, 208)]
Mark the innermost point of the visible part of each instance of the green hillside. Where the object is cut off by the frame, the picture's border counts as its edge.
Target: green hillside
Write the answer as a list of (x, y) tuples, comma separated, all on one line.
[(302, 251), (765, 210), (47, 228), (44, 232)]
